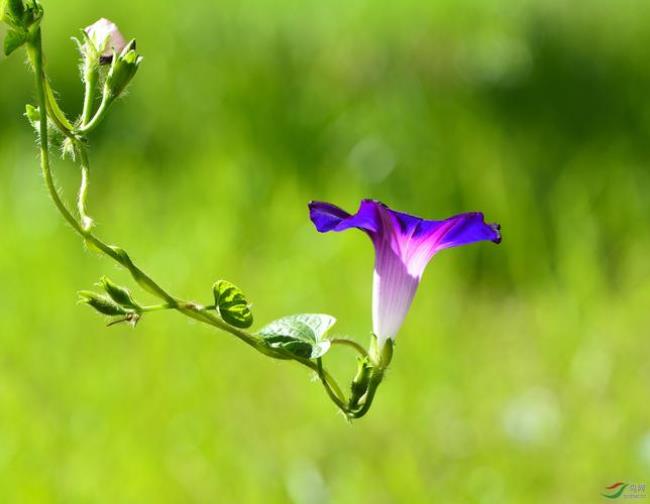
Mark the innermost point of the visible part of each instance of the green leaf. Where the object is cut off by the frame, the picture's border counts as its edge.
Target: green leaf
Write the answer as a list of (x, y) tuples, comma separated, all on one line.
[(11, 11), (16, 7), (300, 335), (13, 40), (232, 305)]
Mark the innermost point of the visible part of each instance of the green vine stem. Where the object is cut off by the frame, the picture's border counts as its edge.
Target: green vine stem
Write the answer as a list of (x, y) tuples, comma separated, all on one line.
[(47, 102), (87, 127), (350, 343), (90, 81), (55, 112), (86, 220)]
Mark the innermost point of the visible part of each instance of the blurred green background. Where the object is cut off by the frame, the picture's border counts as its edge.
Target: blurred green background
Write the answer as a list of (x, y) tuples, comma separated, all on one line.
[(522, 372)]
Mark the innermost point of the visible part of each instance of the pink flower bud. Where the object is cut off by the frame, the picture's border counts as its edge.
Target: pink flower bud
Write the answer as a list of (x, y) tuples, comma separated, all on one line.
[(106, 38)]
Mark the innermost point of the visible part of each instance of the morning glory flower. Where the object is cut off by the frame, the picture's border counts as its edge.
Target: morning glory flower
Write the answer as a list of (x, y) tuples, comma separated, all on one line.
[(404, 245)]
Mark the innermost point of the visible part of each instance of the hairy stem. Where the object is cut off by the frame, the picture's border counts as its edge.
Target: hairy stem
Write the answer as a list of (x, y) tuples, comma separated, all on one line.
[(189, 309), (158, 307), (375, 379), (86, 221), (87, 127), (90, 81), (336, 396), (55, 112), (36, 57)]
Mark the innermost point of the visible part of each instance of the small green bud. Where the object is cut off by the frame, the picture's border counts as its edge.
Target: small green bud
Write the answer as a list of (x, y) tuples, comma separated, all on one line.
[(121, 295), (122, 70), (33, 115), (360, 382), (102, 304)]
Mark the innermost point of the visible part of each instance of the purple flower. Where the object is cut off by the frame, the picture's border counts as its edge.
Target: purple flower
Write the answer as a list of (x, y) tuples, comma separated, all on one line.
[(404, 244)]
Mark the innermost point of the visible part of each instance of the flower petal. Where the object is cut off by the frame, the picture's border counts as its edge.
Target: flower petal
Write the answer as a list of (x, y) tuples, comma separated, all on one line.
[(327, 217), (432, 236), (414, 239), (393, 290), (106, 38), (404, 245), (462, 229)]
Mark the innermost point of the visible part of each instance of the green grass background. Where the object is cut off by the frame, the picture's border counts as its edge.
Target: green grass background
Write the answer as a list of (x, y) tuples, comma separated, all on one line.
[(522, 372)]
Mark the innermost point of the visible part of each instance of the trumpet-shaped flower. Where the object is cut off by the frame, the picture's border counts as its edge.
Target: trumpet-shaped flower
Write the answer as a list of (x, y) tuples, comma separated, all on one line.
[(404, 244)]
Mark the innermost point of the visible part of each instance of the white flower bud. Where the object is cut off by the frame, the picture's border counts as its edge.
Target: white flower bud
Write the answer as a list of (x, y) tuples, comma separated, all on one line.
[(106, 38)]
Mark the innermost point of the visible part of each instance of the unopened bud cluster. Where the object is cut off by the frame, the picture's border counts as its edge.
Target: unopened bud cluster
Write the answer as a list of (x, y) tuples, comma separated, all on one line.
[(104, 44), (108, 63), (117, 303)]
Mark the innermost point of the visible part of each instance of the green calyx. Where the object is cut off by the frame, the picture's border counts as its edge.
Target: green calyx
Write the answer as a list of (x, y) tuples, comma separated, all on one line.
[(381, 355), (90, 54), (123, 68), (360, 382), (121, 295), (102, 304)]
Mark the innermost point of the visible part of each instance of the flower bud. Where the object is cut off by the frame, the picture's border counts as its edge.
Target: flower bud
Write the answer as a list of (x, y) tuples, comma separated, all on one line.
[(33, 115), (105, 40), (360, 382), (122, 70), (102, 304), (121, 295)]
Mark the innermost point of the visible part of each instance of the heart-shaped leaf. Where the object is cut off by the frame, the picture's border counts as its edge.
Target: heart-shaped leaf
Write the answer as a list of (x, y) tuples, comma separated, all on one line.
[(232, 305), (300, 335)]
